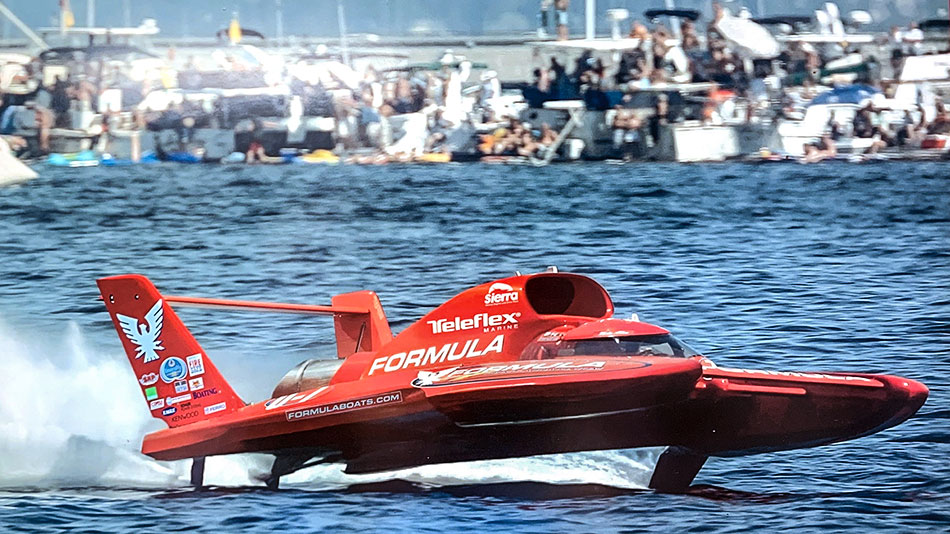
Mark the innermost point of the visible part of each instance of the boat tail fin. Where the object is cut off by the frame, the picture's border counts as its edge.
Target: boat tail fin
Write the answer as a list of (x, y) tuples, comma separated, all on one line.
[(360, 332), (180, 383)]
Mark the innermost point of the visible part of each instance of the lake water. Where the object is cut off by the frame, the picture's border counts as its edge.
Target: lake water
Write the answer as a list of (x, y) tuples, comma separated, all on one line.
[(786, 267)]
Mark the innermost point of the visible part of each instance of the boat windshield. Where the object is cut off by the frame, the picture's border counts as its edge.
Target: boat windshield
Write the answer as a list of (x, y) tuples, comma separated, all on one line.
[(652, 345)]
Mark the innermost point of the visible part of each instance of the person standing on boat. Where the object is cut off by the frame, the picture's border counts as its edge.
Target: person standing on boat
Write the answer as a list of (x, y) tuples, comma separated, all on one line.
[(60, 103), (863, 124), (543, 18), (626, 127), (660, 117), (7, 114), (561, 8)]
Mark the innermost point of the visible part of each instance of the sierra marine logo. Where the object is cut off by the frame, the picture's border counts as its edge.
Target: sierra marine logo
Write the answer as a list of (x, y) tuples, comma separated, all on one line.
[(488, 323), (500, 293), (145, 337)]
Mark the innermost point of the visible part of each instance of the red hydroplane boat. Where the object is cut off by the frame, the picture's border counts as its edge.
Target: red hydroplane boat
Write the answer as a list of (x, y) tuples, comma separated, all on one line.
[(527, 365)]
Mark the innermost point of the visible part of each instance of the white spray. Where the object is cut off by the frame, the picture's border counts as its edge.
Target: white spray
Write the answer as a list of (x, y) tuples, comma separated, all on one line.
[(72, 416)]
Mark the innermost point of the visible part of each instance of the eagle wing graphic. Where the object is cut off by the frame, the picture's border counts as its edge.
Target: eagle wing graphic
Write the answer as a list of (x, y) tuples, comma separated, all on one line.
[(145, 337)]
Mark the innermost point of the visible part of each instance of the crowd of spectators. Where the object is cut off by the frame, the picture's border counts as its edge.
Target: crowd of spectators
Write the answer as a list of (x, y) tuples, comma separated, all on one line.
[(427, 106), (517, 138)]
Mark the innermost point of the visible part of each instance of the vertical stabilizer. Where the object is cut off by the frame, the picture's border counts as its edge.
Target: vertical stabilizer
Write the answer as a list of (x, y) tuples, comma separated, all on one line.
[(360, 332), (179, 382)]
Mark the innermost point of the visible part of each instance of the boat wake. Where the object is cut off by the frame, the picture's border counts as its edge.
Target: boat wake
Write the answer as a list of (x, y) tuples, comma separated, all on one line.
[(71, 415)]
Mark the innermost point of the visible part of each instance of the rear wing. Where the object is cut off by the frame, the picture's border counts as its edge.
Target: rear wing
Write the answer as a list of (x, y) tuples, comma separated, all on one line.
[(358, 318)]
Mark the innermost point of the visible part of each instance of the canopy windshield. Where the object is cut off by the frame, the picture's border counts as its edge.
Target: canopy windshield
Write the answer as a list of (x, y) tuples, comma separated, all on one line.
[(651, 345)]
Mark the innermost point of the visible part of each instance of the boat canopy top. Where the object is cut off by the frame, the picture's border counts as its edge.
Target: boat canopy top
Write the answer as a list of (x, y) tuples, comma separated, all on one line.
[(664, 345), (791, 20), (94, 52), (689, 14), (935, 25)]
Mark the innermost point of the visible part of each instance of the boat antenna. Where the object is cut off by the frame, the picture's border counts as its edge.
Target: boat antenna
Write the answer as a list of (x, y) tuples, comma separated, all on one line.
[(341, 20)]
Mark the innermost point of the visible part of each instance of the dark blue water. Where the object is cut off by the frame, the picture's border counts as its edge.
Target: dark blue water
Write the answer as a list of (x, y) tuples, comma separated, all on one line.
[(788, 267)]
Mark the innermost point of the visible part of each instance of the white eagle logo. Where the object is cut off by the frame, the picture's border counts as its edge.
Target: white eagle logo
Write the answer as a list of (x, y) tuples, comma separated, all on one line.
[(146, 335)]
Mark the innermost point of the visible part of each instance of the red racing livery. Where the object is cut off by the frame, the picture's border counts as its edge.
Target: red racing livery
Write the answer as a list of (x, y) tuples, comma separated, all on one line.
[(527, 365)]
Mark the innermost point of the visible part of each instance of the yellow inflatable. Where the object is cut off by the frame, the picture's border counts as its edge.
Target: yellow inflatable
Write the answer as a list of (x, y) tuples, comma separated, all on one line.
[(320, 156)]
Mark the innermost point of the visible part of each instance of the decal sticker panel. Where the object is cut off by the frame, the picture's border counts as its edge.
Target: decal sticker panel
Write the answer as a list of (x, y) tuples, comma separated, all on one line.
[(344, 406), (172, 369)]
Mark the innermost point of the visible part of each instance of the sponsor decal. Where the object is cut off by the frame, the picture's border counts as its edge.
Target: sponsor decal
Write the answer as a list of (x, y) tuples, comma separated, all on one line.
[(500, 293), (185, 416), (156, 404), (196, 365), (794, 374), (172, 368), (614, 333), (219, 407), (196, 383), (424, 357), (427, 378), (148, 379), (145, 336), (345, 406), (169, 411), (296, 398), (206, 393), (181, 386), (176, 400), (550, 336), (485, 321), (457, 375), (151, 393)]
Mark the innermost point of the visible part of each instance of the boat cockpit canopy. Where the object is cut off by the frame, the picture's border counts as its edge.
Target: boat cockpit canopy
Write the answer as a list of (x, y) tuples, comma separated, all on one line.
[(664, 345)]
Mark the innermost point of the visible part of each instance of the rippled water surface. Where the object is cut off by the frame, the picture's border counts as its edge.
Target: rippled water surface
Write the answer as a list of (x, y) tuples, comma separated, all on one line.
[(787, 267)]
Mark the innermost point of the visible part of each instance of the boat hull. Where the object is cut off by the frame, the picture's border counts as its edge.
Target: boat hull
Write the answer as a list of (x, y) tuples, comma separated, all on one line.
[(705, 412)]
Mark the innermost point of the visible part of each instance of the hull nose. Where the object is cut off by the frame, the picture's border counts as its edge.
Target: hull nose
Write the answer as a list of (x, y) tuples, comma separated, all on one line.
[(911, 394), (747, 413)]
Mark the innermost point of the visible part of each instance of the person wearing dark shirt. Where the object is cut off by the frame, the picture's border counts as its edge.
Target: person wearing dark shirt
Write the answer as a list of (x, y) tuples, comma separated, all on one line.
[(863, 125), (59, 103)]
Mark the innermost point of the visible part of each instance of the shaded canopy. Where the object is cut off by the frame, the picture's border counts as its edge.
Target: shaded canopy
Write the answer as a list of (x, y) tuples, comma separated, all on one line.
[(434, 66), (935, 25), (848, 94), (791, 20), (67, 53), (690, 14)]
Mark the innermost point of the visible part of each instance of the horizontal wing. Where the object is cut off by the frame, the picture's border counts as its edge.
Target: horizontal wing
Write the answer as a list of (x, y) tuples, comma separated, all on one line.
[(275, 307)]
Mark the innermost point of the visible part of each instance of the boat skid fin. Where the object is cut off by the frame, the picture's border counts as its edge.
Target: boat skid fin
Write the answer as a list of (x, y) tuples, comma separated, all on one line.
[(676, 469), (197, 478), (285, 464)]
